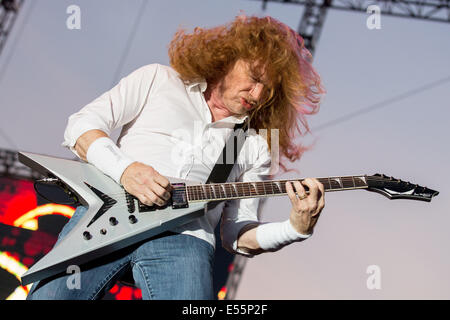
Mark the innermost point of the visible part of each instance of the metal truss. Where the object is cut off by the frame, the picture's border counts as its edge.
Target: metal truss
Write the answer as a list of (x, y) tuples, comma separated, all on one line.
[(11, 167), (8, 13), (315, 12)]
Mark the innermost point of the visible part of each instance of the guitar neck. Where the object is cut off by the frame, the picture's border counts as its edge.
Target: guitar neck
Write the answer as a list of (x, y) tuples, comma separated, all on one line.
[(240, 190)]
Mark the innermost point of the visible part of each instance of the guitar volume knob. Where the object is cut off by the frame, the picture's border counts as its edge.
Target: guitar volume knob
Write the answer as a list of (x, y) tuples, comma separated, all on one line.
[(87, 235), (113, 221), (132, 219)]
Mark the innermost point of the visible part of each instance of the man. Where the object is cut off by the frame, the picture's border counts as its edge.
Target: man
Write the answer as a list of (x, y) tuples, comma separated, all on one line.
[(175, 122)]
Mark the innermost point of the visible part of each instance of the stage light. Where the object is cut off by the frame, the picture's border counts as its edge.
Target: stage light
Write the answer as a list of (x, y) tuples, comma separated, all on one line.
[(13, 266), (29, 220), (222, 293)]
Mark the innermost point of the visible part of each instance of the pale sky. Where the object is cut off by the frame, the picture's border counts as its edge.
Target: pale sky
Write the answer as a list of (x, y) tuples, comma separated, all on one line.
[(48, 72)]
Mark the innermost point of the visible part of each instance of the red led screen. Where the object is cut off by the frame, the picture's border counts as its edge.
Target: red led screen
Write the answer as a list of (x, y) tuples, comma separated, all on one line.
[(28, 230)]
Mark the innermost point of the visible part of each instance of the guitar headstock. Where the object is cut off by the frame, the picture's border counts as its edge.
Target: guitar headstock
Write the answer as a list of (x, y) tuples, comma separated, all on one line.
[(399, 189)]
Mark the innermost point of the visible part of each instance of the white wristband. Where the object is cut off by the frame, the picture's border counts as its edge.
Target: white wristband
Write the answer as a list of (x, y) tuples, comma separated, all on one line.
[(108, 158), (275, 235)]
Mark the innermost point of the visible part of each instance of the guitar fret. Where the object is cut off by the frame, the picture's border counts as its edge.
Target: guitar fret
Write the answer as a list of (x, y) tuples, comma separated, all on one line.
[(360, 181), (203, 192), (197, 193), (235, 190), (251, 188), (224, 191), (335, 183), (346, 182), (264, 187), (327, 186), (221, 191), (268, 190), (259, 188), (232, 190), (276, 187), (216, 191), (193, 194), (213, 192), (244, 189), (227, 190)]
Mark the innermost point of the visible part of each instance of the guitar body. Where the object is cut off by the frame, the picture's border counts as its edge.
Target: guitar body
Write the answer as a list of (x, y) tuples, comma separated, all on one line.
[(115, 219), (108, 225)]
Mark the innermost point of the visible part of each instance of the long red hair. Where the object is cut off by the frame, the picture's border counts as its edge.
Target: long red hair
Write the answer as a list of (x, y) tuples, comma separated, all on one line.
[(295, 87)]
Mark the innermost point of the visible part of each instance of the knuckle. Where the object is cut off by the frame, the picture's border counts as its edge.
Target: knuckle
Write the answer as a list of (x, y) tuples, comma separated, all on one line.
[(166, 184), (145, 200)]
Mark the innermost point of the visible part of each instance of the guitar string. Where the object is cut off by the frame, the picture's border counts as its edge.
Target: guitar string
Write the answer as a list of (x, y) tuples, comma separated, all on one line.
[(195, 193), (259, 190), (108, 206), (270, 184)]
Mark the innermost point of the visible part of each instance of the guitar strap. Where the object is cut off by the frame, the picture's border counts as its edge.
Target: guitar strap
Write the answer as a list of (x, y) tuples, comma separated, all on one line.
[(224, 165)]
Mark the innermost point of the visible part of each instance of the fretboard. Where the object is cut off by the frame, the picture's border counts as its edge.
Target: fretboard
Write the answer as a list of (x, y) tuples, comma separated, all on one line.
[(239, 190)]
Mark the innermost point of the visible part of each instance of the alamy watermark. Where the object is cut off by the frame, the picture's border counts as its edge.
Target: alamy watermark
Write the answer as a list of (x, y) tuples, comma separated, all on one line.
[(73, 21), (374, 20), (373, 282), (73, 282)]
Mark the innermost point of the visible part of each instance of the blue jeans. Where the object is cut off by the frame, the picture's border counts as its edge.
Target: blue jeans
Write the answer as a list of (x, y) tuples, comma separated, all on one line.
[(169, 266)]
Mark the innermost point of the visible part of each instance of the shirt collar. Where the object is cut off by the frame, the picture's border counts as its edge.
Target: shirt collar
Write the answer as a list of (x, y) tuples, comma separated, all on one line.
[(201, 83), (235, 119)]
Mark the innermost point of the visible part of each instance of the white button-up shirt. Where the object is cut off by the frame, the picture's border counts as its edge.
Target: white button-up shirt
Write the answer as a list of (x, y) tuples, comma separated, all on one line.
[(167, 124)]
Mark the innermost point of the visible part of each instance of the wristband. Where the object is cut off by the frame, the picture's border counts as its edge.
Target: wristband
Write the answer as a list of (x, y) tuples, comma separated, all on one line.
[(108, 158), (275, 235)]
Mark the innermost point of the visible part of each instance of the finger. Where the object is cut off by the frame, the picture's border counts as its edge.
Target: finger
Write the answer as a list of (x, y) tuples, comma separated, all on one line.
[(145, 200), (291, 194), (150, 196), (321, 187), (162, 193), (321, 203), (162, 181), (300, 190), (155, 198), (313, 188)]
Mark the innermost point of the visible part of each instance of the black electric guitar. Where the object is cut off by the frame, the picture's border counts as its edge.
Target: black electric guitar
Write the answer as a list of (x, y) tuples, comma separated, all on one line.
[(116, 219)]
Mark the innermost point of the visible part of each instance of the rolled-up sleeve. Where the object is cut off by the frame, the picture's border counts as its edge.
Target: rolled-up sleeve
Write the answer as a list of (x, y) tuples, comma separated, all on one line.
[(114, 108), (239, 213)]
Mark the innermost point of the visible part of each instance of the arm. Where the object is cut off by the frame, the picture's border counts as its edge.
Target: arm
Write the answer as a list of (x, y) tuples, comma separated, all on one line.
[(111, 110), (139, 179), (241, 230), (303, 218), (87, 136)]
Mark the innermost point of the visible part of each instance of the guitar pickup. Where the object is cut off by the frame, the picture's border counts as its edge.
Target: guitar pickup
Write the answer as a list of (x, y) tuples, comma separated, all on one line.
[(179, 197), (178, 200)]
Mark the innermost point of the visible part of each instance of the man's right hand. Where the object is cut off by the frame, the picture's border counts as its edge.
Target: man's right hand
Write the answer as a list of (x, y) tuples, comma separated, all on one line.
[(146, 184)]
